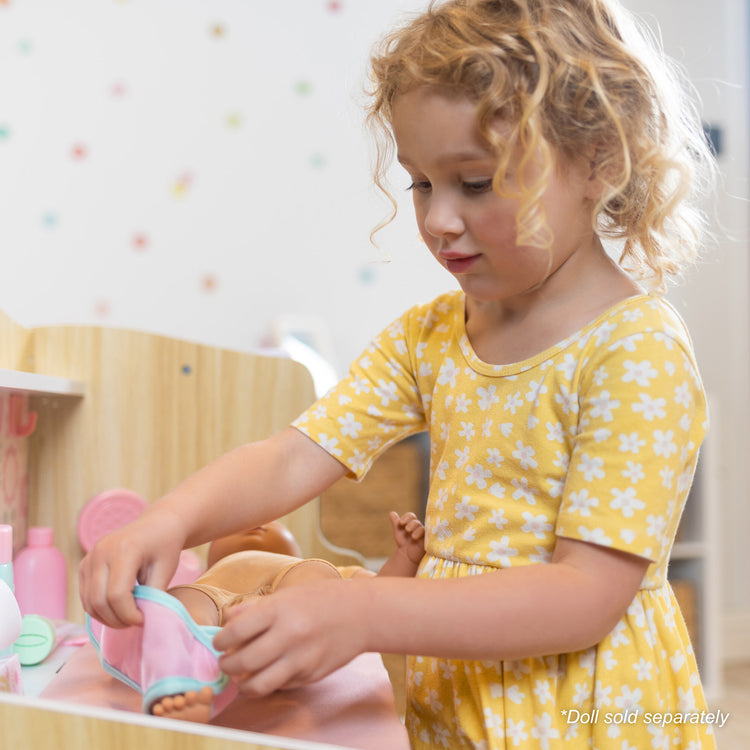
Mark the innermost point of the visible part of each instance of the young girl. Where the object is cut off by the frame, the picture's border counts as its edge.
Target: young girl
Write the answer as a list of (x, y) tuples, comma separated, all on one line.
[(560, 392)]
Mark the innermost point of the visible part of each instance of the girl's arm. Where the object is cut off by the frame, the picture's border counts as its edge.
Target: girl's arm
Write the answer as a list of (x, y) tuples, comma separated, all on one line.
[(301, 635), (246, 487)]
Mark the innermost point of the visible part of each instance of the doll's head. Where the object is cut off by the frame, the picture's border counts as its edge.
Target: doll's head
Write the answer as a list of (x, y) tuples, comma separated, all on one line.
[(565, 79), (271, 537)]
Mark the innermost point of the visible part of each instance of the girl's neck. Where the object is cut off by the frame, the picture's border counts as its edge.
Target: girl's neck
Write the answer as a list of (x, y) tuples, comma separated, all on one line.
[(503, 332)]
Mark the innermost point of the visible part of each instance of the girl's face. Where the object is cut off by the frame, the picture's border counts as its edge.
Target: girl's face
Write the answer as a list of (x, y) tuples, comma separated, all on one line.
[(469, 228)]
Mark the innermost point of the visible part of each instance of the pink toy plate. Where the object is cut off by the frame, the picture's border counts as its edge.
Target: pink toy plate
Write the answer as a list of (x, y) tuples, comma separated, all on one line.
[(107, 511)]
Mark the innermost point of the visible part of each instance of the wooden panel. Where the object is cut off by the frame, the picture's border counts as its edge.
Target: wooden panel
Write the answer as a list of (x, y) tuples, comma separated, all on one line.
[(45, 725), (15, 345), (156, 409)]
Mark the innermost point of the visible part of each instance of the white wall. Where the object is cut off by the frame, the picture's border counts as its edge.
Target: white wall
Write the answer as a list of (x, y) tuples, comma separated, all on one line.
[(223, 180)]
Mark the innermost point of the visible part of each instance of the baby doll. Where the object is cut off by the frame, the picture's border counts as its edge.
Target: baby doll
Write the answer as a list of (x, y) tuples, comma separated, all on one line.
[(243, 566)]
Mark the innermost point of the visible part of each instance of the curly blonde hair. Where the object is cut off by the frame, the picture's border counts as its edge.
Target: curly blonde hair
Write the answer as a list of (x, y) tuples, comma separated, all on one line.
[(567, 78)]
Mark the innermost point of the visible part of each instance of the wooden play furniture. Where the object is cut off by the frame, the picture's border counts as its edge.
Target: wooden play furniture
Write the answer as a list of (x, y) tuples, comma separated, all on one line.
[(116, 408)]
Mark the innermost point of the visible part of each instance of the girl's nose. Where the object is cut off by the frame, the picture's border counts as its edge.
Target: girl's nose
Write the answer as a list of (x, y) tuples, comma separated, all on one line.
[(442, 217)]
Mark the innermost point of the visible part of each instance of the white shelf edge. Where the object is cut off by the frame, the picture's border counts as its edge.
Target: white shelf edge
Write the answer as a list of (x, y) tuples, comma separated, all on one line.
[(35, 384)]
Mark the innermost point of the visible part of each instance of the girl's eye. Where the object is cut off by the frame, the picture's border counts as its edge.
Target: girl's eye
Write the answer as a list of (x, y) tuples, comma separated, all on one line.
[(480, 186), (421, 186)]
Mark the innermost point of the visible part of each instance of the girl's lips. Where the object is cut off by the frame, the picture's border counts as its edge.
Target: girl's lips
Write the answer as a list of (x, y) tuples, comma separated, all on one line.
[(460, 264)]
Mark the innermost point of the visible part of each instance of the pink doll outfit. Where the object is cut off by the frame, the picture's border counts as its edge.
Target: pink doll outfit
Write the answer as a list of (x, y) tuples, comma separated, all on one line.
[(168, 655)]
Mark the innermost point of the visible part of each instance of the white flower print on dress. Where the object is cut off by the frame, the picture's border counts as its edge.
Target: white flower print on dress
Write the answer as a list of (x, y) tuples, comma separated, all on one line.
[(494, 723), (523, 491), (477, 474), (631, 443), (448, 373), (663, 443), (651, 408), (626, 501), (501, 552), (603, 333), (568, 366), (493, 457), (543, 731), (682, 395), (628, 700), (513, 402), (591, 467), (639, 372), (525, 455), (600, 375), (536, 525), (466, 431), (566, 399), (498, 518), (497, 490), (487, 397), (580, 502), (349, 425), (465, 510), (535, 390), (595, 536), (329, 444), (555, 432), (357, 461), (603, 405), (463, 402), (634, 472)]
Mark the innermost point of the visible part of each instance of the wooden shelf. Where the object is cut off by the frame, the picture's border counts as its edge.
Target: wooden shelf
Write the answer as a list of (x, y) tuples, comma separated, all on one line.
[(40, 385)]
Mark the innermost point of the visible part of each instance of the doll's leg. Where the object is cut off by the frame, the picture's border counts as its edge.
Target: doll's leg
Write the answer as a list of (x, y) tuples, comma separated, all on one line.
[(230, 581)]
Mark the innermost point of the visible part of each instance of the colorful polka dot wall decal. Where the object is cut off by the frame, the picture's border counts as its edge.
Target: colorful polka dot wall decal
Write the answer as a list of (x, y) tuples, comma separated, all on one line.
[(79, 151), (234, 121), (140, 242), (218, 30), (209, 283), (182, 185), (366, 275), (334, 6), (102, 308), (49, 220), (25, 46), (303, 87), (119, 89), (318, 161), (4, 132)]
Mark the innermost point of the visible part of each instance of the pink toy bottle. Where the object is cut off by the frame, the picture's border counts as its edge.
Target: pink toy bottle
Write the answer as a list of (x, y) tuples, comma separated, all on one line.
[(41, 576)]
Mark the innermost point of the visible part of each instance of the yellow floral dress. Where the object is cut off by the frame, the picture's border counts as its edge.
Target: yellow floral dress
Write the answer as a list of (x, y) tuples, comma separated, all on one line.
[(595, 439)]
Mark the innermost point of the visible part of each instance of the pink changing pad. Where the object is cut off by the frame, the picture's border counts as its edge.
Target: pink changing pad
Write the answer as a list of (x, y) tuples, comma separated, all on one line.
[(353, 707)]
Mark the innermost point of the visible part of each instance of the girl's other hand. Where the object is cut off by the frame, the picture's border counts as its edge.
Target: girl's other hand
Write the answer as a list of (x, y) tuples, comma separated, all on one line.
[(292, 637)]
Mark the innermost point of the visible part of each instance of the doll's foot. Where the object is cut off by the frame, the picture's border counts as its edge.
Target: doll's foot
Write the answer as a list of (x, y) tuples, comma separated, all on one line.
[(192, 706)]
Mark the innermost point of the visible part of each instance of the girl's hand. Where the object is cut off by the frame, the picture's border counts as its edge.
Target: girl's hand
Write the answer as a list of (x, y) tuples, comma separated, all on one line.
[(145, 551), (292, 637)]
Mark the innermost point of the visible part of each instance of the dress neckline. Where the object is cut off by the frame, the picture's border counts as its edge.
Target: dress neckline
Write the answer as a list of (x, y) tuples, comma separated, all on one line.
[(515, 368)]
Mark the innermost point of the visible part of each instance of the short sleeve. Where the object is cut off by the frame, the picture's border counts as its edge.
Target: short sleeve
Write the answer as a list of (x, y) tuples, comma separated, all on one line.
[(375, 405), (642, 420)]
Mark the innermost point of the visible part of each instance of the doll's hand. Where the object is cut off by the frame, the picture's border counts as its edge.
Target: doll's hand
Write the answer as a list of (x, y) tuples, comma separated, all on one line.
[(408, 533), (292, 637), (145, 551)]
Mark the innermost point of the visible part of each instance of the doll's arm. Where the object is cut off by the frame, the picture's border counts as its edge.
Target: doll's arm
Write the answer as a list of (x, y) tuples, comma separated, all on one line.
[(408, 532)]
